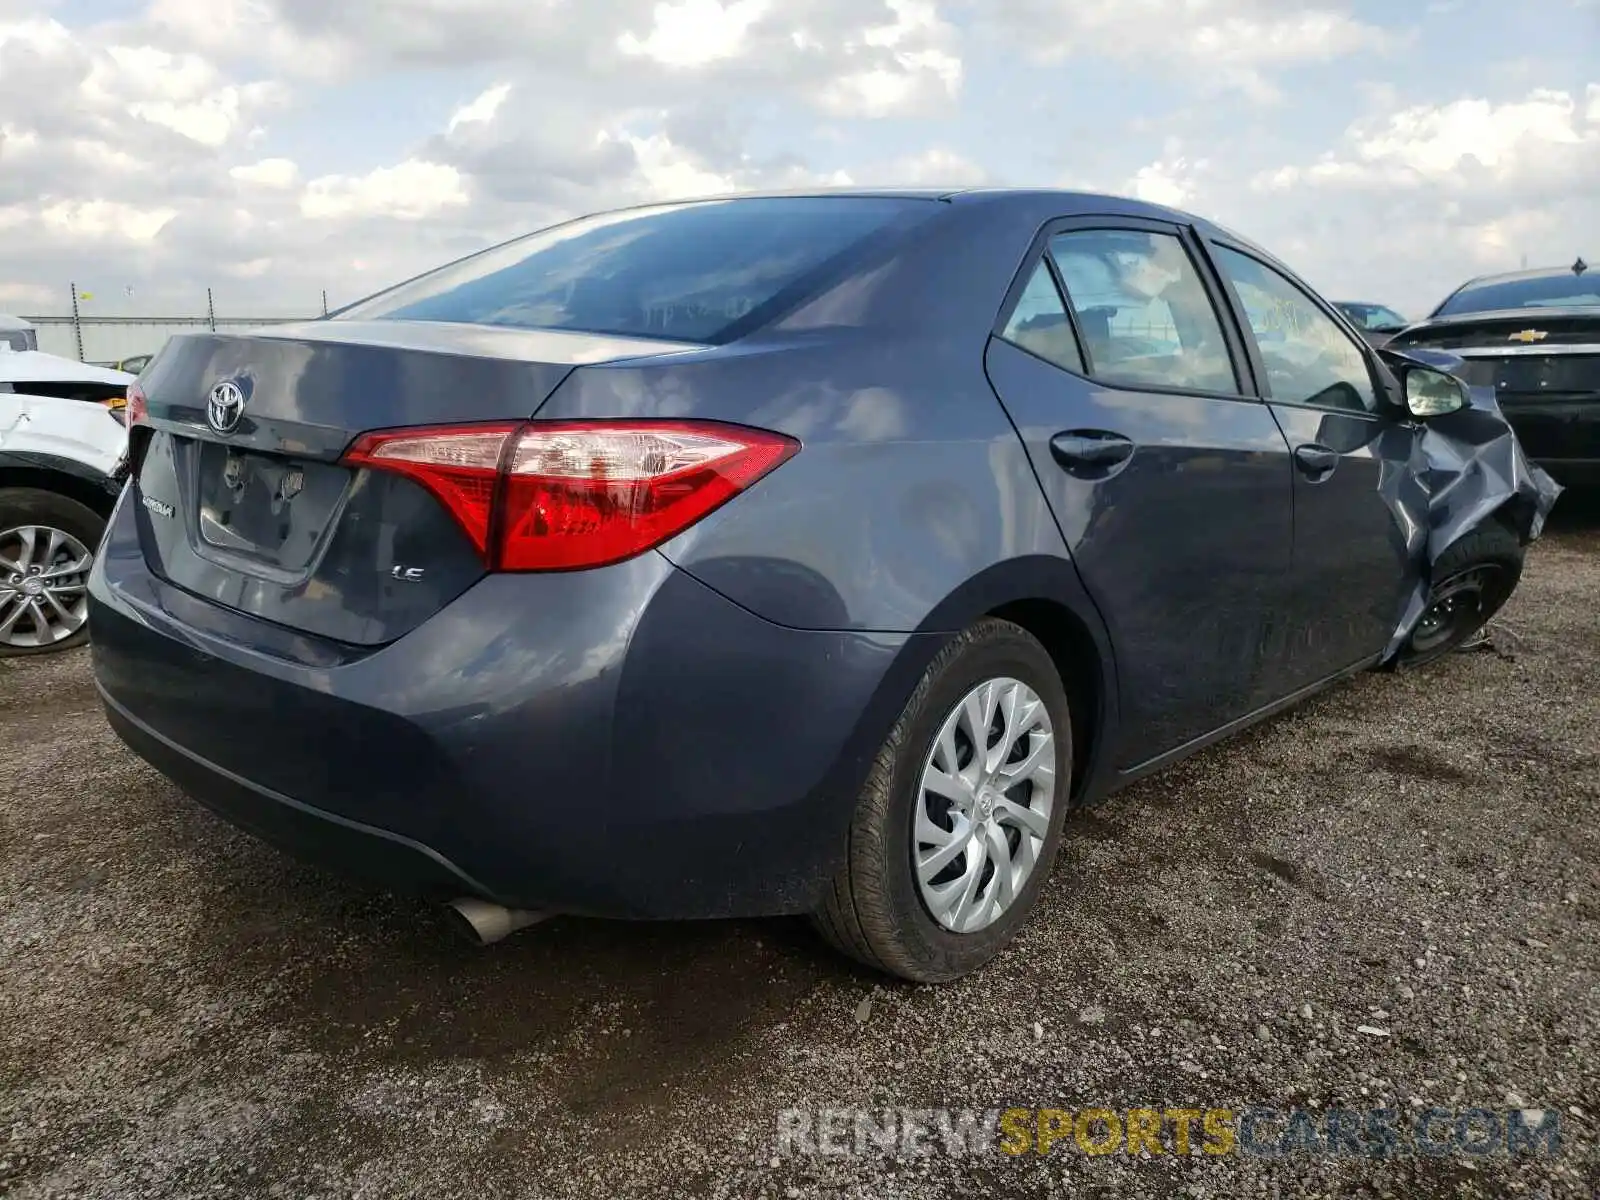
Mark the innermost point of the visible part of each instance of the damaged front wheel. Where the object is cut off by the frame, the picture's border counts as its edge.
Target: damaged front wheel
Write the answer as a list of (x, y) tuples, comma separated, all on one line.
[(1471, 582)]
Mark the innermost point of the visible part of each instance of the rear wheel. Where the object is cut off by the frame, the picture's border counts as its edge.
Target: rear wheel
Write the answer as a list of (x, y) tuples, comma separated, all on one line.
[(1471, 582), (960, 820), (47, 544)]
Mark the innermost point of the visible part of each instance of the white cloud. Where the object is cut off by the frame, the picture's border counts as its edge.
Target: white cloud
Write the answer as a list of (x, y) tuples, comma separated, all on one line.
[(935, 167), (1236, 43), (94, 219), (1539, 139), (1432, 194), (409, 191), (1166, 181), (914, 66), (692, 33), (172, 150), (268, 173), (482, 109), (672, 175), (35, 34)]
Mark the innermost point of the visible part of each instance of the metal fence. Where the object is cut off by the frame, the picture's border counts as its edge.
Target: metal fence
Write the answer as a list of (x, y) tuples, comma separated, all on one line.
[(97, 338), (112, 339)]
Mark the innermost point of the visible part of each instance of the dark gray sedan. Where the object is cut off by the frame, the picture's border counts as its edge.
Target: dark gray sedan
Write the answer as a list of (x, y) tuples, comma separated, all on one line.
[(780, 554)]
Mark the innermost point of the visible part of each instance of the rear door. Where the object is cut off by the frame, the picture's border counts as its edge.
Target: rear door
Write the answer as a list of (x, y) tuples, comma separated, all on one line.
[(1352, 568), (1170, 482)]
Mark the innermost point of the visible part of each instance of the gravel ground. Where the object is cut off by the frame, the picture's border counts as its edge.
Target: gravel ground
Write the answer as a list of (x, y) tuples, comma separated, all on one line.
[(185, 1013)]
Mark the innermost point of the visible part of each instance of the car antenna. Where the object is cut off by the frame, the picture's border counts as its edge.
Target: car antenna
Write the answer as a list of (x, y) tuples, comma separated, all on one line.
[(1579, 267)]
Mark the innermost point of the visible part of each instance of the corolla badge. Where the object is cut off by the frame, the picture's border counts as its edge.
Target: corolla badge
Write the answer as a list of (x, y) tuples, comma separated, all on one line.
[(1527, 336), (225, 406)]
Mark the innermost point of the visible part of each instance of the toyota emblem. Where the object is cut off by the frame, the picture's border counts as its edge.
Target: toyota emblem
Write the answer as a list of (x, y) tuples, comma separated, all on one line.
[(225, 406)]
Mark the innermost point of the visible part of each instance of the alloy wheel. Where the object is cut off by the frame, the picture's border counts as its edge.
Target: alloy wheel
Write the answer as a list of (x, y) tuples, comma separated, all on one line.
[(983, 804), (44, 579)]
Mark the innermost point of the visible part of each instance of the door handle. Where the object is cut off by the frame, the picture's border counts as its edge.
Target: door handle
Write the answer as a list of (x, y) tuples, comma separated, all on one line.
[(1094, 449), (1315, 462)]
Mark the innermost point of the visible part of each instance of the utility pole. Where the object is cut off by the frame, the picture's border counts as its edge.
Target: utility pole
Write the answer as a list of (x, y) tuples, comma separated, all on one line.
[(324, 301), (211, 311), (77, 320)]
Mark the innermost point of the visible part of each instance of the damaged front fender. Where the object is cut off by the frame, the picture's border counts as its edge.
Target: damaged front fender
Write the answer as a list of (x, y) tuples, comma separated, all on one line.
[(1464, 468)]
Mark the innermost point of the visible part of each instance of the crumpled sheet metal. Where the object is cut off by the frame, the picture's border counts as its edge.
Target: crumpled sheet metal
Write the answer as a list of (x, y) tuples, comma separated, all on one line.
[(1464, 468)]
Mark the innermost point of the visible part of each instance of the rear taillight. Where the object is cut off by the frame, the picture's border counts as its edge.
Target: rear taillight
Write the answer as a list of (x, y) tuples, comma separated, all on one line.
[(137, 409), (563, 495)]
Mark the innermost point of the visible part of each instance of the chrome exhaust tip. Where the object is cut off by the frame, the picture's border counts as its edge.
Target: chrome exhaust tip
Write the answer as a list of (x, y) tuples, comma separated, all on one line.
[(485, 922)]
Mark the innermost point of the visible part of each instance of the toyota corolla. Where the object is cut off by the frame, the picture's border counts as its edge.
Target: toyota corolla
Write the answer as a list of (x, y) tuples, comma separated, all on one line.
[(772, 555)]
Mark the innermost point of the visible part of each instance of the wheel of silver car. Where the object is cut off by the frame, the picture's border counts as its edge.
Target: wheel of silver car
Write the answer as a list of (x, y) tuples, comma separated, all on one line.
[(983, 804), (45, 556), (960, 819)]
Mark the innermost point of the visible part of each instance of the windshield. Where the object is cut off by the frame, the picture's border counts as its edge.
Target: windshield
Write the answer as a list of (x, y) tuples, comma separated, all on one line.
[(685, 272), (1548, 291)]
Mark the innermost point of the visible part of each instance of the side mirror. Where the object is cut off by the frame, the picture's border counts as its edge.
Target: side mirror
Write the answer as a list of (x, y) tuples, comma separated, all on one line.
[(1433, 393)]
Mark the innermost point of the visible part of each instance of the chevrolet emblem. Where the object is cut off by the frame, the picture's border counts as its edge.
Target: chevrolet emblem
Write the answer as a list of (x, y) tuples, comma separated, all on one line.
[(1528, 335)]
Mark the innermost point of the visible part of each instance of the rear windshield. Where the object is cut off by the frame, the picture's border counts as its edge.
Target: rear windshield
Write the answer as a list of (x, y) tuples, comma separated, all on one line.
[(687, 272), (1552, 291)]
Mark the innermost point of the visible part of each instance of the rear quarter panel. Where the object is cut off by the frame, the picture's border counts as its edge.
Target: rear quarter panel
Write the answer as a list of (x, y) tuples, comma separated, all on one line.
[(910, 482)]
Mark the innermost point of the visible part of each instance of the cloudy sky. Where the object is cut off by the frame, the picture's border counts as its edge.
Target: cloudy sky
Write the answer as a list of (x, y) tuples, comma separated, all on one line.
[(271, 149)]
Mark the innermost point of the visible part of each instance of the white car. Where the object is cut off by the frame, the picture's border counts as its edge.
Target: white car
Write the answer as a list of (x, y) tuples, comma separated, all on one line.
[(63, 449)]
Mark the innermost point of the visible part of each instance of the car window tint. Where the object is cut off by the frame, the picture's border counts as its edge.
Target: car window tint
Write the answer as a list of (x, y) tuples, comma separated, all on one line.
[(687, 271), (1040, 325), (1308, 358), (1143, 310)]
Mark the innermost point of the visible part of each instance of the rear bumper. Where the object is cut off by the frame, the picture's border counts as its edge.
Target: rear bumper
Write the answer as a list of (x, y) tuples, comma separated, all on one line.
[(622, 742), (307, 833), (1572, 472), (1562, 437)]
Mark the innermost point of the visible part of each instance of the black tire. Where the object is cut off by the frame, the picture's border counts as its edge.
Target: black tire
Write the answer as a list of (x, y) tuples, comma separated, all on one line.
[(36, 506), (872, 910), (1472, 581)]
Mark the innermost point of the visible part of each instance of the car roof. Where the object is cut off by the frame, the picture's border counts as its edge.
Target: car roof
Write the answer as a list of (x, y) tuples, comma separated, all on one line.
[(1519, 276), (1033, 202), (8, 322)]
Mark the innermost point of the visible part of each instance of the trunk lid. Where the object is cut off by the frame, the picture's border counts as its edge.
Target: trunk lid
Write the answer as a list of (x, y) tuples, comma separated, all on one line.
[(243, 499)]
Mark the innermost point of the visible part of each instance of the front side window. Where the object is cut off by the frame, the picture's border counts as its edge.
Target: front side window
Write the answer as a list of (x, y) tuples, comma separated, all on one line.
[(687, 272), (1039, 323), (1308, 358), (1143, 310)]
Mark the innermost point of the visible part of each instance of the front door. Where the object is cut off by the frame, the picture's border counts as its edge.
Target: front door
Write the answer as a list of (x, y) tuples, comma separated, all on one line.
[(1351, 565), (1170, 484)]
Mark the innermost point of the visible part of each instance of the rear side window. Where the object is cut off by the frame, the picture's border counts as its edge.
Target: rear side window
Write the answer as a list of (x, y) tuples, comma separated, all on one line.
[(1143, 310), (683, 271), (1039, 323)]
